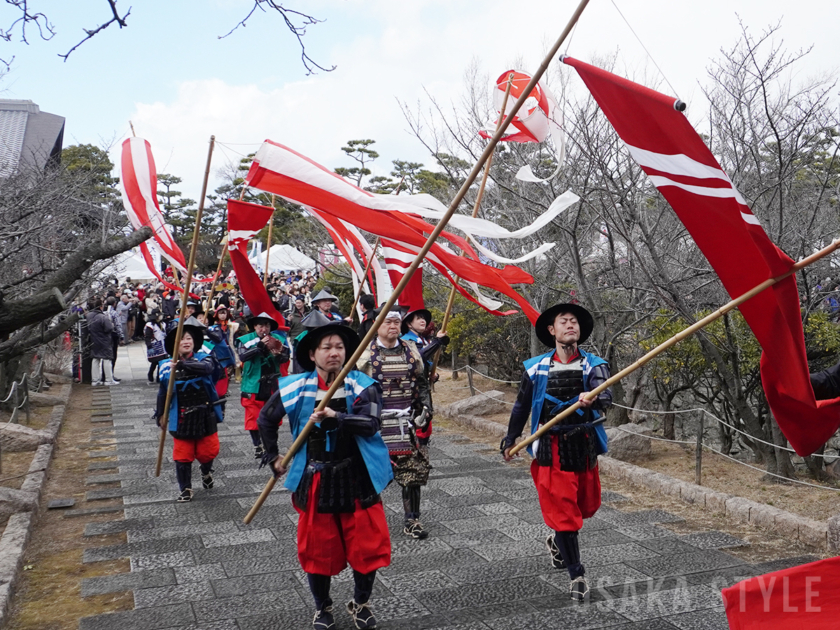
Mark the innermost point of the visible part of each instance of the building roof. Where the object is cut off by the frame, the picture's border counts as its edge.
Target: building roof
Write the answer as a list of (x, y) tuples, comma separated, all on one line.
[(28, 136)]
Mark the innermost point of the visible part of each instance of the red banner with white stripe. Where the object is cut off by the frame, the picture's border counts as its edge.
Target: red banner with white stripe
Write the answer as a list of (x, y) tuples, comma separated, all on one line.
[(139, 183), (668, 149), (284, 172), (244, 221)]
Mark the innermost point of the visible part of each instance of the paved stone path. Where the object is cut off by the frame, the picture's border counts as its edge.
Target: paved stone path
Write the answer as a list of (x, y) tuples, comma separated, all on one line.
[(196, 566)]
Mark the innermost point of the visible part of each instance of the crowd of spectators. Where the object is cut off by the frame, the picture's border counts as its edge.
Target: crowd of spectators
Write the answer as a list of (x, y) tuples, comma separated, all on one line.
[(121, 313)]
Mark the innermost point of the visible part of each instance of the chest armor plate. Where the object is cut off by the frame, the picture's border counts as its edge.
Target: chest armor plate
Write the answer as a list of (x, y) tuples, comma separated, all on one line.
[(396, 371), (565, 382)]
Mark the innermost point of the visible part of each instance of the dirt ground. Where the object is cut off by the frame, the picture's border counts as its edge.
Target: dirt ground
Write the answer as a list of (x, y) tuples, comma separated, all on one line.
[(49, 594), (677, 461)]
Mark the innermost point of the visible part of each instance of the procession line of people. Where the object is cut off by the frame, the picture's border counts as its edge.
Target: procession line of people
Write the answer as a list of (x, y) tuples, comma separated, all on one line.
[(376, 429)]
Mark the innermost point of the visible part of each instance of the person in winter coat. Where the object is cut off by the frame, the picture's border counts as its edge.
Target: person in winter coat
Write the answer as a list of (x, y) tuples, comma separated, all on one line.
[(154, 336), (100, 329)]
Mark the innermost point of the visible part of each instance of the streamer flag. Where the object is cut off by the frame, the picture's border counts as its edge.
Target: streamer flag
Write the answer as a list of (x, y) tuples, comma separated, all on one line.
[(680, 165), (279, 170), (244, 221), (537, 120), (139, 184)]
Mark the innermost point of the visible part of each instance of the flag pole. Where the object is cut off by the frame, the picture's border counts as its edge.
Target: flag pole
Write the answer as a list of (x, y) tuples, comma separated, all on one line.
[(209, 304), (455, 280), (268, 244), (723, 310), (364, 277), (453, 206), (162, 420)]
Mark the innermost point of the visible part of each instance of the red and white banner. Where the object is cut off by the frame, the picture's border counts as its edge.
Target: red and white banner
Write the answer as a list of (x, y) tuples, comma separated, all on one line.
[(396, 262), (244, 221), (807, 597), (539, 118), (139, 184), (668, 149), (282, 171)]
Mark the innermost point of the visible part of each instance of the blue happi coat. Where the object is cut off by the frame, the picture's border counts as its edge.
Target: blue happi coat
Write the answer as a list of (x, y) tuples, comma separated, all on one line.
[(297, 393), (205, 381), (537, 370)]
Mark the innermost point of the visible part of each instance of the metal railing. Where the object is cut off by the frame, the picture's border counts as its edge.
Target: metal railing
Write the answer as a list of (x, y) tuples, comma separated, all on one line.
[(19, 398)]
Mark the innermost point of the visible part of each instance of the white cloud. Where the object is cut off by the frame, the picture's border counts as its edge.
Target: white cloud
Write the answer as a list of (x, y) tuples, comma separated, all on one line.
[(391, 50)]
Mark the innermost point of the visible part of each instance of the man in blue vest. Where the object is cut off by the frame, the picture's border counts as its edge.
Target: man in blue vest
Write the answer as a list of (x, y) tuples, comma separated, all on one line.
[(565, 466), (338, 474)]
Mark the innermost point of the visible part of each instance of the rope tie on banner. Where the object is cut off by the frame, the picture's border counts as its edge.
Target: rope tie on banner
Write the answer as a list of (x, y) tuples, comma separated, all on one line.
[(647, 52)]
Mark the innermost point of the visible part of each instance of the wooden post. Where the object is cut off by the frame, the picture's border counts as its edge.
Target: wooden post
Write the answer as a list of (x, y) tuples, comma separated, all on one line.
[(470, 377), (364, 276), (163, 420), (698, 453), (268, 244), (350, 364), (451, 302), (723, 310)]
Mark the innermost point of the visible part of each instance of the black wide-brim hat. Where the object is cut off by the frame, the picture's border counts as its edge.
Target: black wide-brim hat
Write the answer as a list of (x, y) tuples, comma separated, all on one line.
[(312, 338), (263, 317), (425, 313), (192, 326), (199, 308), (548, 316)]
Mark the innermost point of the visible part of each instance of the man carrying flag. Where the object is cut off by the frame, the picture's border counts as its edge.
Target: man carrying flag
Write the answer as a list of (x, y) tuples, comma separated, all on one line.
[(262, 353), (565, 465), (339, 472)]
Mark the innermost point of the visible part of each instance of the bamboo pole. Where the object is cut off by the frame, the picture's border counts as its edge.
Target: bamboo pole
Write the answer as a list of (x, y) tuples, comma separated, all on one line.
[(268, 244), (455, 280), (163, 420), (723, 310), (456, 201), (209, 304), (364, 277)]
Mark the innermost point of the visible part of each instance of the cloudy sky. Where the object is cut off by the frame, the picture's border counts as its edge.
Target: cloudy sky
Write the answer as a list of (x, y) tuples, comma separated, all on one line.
[(170, 74)]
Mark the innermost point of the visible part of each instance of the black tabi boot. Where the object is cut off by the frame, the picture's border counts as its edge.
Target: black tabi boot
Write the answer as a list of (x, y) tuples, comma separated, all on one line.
[(358, 607), (207, 475), (259, 451), (183, 472), (567, 543), (319, 585), (411, 506)]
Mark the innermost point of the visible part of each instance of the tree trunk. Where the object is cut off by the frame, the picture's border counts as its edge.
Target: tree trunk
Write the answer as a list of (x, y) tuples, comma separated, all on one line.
[(15, 314)]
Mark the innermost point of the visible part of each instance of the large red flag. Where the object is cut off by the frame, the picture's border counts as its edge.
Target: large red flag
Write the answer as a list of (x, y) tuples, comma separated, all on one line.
[(668, 149), (806, 597), (244, 221), (300, 180)]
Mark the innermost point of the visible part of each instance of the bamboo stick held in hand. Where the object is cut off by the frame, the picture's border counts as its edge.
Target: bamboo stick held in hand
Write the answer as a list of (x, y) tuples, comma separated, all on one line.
[(364, 277), (209, 305), (268, 243), (723, 310), (455, 279), (456, 201), (164, 418)]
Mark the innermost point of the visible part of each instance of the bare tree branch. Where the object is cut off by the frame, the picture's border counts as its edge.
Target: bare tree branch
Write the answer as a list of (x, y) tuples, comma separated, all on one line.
[(90, 33), (298, 30)]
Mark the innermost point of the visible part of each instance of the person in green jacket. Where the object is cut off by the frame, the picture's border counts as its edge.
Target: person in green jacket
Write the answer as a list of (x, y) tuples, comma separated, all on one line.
[(264, 354)]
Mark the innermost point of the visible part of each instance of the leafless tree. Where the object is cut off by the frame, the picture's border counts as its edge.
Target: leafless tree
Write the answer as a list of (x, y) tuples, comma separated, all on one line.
[(27, 18)]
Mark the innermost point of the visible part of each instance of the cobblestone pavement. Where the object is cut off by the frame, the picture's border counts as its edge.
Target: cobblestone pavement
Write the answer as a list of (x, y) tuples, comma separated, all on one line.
[(196, 566)]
